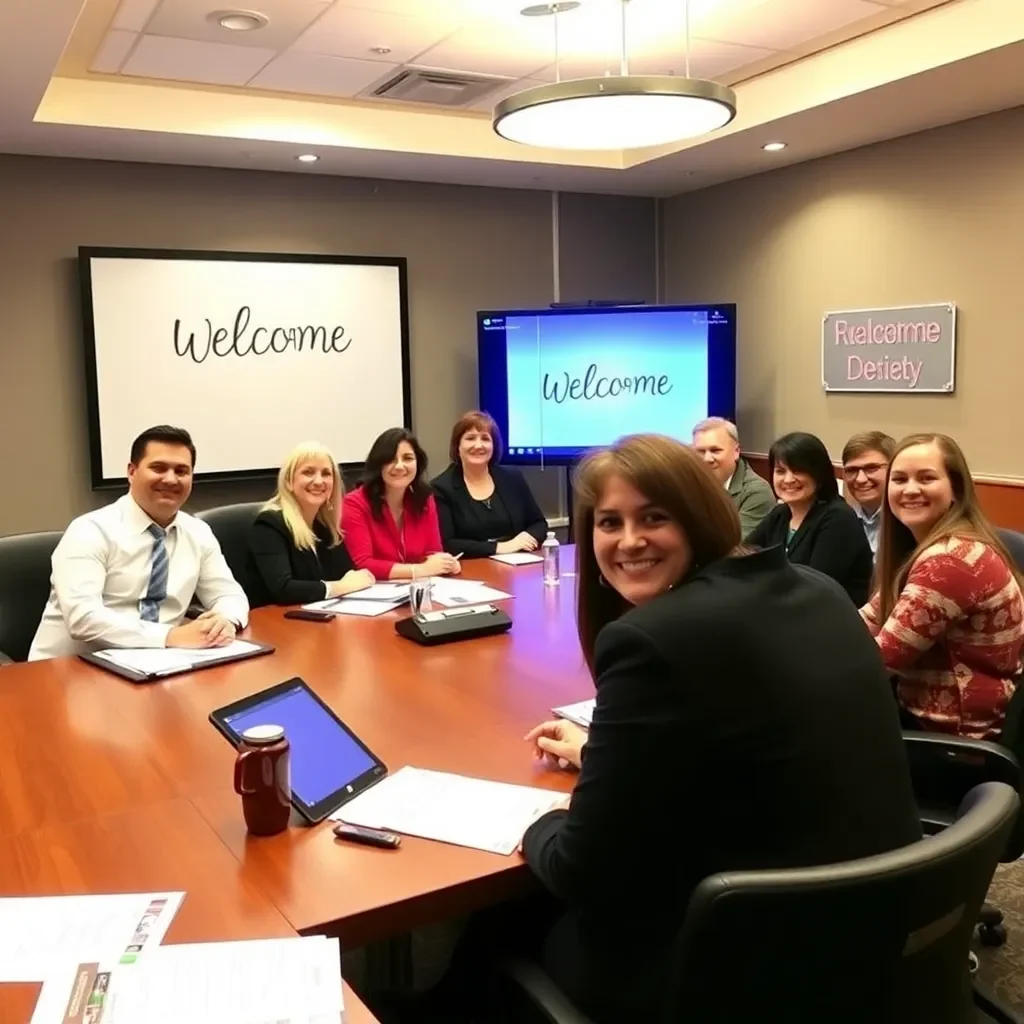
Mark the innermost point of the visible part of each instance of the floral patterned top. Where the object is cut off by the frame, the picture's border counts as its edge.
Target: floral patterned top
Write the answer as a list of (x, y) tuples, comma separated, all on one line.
[(954, 638)]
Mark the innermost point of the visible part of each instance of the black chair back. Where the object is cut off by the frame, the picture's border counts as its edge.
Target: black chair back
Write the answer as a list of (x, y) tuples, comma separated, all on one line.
[(1014, 543), (230, 525), (24, 588), (883, 940)]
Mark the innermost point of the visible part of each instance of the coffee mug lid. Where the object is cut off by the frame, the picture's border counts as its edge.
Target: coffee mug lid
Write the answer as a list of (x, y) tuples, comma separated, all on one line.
[(263, 733)]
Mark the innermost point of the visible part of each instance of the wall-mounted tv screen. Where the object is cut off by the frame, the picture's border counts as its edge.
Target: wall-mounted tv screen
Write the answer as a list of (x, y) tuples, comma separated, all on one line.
[(559, 381)]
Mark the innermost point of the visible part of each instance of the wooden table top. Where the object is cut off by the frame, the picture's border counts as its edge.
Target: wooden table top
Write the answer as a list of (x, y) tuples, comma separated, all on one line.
[(117, 752), (163, 847)]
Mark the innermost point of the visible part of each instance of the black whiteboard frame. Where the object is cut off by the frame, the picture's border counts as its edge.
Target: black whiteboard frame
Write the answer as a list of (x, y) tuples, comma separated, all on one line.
[(86, 253)]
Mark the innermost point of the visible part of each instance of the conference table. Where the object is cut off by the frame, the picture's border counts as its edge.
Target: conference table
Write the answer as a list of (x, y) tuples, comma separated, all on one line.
[(112, 786)]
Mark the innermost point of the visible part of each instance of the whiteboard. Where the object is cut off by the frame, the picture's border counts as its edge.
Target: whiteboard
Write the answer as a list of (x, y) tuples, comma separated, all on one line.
[(252, 353)]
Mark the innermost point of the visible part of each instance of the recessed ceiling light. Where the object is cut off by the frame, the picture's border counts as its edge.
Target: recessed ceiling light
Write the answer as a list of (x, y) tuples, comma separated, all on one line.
[(239, 21), (773, 147), (380, 49), (307, 158)]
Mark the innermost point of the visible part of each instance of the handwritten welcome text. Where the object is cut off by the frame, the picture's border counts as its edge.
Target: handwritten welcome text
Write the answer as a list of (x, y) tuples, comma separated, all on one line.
[(222, 343), (591, 386)]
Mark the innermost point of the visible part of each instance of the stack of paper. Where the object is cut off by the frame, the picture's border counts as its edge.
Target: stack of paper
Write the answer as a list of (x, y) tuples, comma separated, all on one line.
[(36, 932), (453, 809), (159, 661), (269, 981), (518, 558), (581, 713), (374, 600), (452, 593)]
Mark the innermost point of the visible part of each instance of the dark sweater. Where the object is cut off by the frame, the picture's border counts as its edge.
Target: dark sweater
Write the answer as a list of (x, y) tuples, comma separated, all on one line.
[(830, 539), (730, 730), (281, 573)]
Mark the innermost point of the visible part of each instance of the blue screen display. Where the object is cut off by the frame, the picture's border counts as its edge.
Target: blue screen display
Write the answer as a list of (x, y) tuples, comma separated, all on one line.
[(324, 758), (561, 381)]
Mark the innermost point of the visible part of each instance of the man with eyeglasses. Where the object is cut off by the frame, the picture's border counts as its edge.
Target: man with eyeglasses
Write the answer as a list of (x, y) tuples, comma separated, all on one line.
[(865, 460)]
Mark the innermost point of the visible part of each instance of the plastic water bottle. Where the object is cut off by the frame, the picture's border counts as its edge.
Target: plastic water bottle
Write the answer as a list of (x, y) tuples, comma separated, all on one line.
[(552, 574)]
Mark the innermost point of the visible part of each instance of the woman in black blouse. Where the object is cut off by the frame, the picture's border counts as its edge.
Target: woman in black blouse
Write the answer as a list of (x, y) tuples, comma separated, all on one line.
[(295, 544), (484, 509), (814, 524)]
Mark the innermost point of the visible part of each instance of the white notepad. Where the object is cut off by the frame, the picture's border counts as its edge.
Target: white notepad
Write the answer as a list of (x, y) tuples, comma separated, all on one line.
[(581, 712), (264, 981), (161, 660), (353, 606), (37, 932), (452, 593), (454, 809), (518, 558)]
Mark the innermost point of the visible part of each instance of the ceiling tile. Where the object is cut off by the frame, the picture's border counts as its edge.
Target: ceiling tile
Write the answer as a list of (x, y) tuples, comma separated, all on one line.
[(316, 75), (489, 101), (780, 24), (504, 43), (348, 32), (112, 52), (132, 14), (185, 60), (189, 19)]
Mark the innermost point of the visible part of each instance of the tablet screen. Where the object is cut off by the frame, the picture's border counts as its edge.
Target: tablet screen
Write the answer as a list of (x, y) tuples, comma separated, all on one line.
[(325, 757)]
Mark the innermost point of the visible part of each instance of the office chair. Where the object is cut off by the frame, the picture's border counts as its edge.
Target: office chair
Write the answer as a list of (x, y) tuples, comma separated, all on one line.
[(1014, 542), (24, 589), (230, 525), (882, 940)]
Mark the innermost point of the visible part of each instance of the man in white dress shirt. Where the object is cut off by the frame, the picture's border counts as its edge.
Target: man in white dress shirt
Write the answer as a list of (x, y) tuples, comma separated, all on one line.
[(124, 575)]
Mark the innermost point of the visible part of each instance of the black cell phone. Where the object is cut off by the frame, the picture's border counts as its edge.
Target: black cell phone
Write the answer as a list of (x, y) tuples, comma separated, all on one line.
[(368, 836), (309, 615)]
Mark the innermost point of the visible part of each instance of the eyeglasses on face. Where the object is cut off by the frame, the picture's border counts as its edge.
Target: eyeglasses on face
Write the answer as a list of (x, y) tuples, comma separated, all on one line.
[(852, 472)]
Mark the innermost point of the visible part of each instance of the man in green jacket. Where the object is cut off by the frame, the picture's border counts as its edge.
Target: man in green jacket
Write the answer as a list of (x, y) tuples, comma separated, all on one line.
[(717, 441)]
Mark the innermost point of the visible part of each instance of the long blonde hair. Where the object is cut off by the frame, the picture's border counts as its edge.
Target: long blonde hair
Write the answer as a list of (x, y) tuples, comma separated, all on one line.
[(897, 549), (284, 500), (671, 476)]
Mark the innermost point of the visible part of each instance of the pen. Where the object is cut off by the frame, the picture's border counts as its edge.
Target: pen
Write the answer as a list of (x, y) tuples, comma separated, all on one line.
[(459, 555)]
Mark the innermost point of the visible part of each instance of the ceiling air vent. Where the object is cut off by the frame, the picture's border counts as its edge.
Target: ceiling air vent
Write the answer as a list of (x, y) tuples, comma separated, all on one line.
[(437, 88)]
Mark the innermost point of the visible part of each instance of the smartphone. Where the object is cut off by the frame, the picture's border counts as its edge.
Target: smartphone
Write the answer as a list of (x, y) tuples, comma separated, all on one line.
[(309, 615), (368, 836)]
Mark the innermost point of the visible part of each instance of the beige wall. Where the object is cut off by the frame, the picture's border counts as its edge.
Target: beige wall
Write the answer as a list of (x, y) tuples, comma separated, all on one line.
[(933, 217), (467, 248)]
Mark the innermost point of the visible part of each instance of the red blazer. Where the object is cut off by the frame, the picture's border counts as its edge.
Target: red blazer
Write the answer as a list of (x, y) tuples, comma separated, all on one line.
[(377, 544)]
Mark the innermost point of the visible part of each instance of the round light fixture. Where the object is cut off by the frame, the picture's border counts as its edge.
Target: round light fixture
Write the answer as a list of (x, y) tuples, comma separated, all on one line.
[(307, 158), (615, 112), (546, 10), (239, 21), (773, 147)]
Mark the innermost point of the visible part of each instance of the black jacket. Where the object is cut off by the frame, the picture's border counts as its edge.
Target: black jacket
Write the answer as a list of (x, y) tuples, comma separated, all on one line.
[(281, 573), (461, 527), (743, 721), (830, 539)]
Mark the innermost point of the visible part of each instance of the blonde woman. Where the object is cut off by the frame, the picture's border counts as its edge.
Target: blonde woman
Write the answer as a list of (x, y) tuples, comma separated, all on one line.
[(296, 545)]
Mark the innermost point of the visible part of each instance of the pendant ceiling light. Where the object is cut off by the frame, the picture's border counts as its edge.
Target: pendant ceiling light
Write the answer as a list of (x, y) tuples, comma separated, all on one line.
[(621, 111)]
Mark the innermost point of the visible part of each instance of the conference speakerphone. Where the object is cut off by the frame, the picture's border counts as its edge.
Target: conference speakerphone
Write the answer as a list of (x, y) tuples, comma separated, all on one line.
[(447, 626)]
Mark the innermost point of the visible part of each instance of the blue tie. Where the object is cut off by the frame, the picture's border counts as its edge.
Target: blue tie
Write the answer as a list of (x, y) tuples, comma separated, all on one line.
[(149, 606)]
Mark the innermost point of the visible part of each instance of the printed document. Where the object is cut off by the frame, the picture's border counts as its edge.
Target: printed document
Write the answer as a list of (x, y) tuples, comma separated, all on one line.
[(455, 809), (37, 932), (268, 981)]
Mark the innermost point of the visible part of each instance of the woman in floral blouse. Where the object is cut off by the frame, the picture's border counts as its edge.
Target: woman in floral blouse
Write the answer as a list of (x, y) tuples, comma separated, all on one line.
[(947, 612)]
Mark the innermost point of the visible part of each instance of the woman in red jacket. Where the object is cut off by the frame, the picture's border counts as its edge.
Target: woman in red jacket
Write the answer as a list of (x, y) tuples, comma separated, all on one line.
[(390, 520)]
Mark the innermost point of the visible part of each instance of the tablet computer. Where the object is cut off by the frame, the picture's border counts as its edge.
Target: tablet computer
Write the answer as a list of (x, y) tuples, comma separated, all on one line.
[(329, 763)]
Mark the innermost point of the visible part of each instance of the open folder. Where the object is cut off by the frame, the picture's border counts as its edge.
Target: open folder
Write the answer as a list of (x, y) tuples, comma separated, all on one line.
[(144, 664)]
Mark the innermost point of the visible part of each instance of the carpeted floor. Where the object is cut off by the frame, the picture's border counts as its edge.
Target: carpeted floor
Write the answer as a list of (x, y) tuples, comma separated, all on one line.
[(1001, 970)]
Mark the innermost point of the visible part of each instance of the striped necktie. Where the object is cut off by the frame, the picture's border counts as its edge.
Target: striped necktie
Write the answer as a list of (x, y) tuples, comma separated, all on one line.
[(149, 606)]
